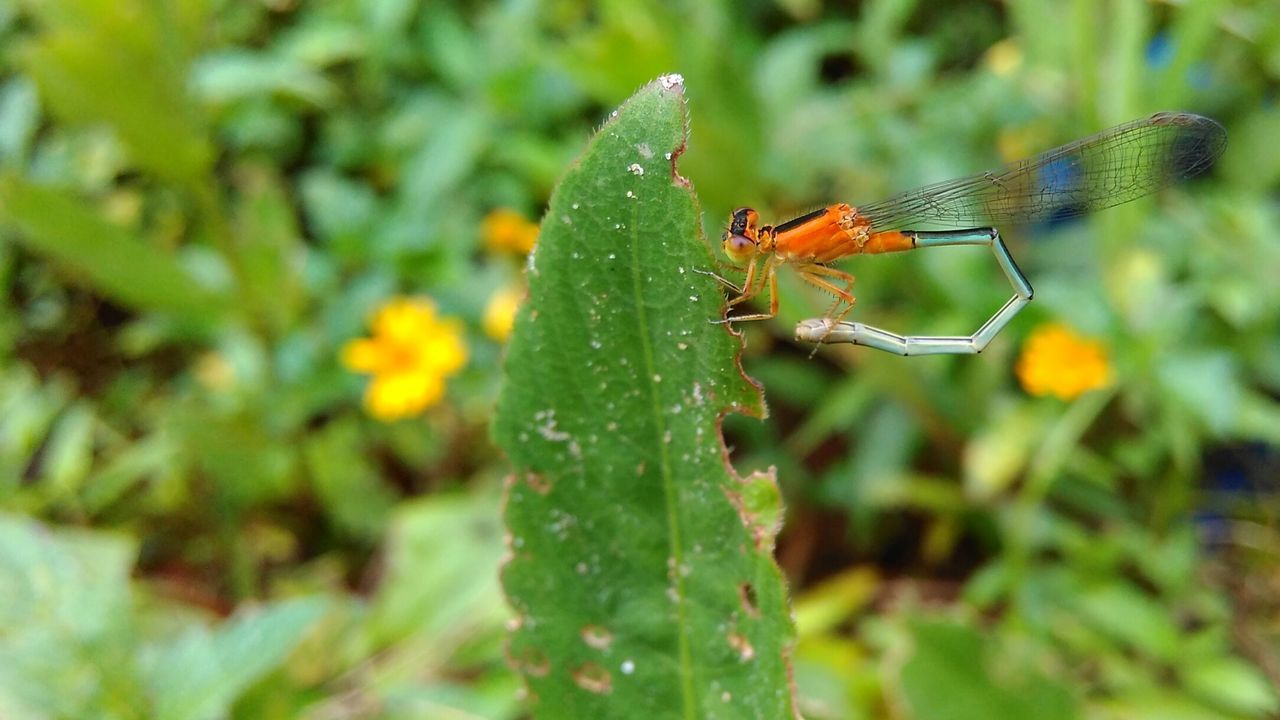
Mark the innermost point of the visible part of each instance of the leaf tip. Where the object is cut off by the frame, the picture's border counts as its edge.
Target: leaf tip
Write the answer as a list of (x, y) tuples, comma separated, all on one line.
[(672, 81)]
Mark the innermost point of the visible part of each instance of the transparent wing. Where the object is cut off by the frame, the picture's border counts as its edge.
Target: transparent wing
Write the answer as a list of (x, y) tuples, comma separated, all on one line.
[(1115, 166)]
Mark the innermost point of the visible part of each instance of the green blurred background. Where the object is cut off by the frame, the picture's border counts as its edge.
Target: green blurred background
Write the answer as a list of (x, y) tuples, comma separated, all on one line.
[(202, 201)]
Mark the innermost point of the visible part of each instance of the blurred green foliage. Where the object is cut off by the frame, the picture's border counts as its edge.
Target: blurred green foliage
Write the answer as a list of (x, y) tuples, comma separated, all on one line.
[(202, 200)]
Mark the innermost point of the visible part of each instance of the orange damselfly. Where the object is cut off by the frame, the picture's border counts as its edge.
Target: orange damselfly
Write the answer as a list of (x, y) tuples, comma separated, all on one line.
[(1104, 170)]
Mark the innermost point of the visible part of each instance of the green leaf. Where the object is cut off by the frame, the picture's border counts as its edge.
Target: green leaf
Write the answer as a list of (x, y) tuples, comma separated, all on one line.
[(19, 120), (143, 459), (431, 587), (1232, 685), (998, 453), (28, 409), (65, 620), (107, 257), (270, 254), (350, 488), (200, 673), (953, 674), (247, 459), (72, 580), (69, 453), (1207, 383), (1122, 611), (124, 62), (641, 566), (236, 75)]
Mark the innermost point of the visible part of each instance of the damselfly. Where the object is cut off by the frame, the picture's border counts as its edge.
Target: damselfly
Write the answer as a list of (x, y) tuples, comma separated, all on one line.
[(1115, 166)]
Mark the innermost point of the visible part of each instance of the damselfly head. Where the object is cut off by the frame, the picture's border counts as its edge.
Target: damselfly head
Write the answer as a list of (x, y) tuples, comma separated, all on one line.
[(742, 236)]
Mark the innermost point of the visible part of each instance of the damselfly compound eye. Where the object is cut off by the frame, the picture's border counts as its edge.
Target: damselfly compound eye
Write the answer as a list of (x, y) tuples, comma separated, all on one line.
[(738, 244)]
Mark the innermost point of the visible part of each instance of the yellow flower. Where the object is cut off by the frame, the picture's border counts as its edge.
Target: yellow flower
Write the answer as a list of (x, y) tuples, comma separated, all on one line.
[(214, 371), (411, 353), (1057, 361), (1018, 142), (500, 314), (506, 230), (1004, 57)]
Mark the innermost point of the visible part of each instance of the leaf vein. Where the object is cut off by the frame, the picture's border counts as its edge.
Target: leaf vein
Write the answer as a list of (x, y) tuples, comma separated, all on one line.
[(668, 481)]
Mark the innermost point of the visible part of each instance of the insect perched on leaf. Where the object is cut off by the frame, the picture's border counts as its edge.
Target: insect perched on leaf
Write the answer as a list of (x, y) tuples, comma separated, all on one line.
[(1112, 167)]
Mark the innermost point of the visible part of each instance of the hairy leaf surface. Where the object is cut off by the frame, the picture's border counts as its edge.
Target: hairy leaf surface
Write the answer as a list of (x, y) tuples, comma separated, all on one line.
[(641, 566)]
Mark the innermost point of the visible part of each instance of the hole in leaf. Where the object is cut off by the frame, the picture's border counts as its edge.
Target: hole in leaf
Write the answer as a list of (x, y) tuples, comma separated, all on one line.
[(747, 593), (538, 483), (532, 661), (597, 637), (742, 646), (593, 678)]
